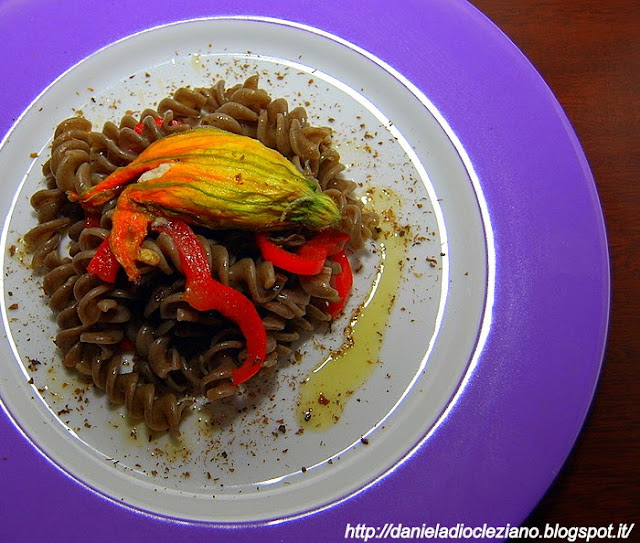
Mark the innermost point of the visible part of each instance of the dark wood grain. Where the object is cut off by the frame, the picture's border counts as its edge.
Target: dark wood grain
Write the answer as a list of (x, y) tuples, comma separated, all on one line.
[(588, 51)]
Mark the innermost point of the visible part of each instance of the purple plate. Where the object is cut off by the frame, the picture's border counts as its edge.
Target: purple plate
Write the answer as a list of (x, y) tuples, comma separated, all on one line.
[(510, 425)]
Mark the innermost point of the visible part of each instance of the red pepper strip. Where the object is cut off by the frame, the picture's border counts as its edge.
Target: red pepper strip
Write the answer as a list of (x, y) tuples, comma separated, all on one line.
[(127, 345), (342, 282), (104, 263), (91, 219), (310, 258), (204, 293), (159, 122)]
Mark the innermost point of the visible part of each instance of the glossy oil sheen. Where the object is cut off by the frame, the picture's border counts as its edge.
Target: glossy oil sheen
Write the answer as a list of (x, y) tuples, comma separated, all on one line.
[(324, 394)]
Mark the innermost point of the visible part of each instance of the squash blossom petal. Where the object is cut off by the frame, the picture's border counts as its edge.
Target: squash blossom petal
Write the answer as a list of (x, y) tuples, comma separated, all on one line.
[(208, 177)]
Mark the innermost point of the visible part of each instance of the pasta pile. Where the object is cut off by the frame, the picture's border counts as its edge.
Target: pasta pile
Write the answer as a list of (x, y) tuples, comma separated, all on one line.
[(179, 353)]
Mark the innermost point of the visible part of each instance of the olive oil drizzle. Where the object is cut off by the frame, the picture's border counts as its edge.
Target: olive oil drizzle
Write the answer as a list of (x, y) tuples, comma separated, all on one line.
[(325, 392)]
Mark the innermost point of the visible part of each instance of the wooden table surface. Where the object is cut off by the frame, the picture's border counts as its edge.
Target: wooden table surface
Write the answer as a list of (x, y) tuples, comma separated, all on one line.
[(588, 52)]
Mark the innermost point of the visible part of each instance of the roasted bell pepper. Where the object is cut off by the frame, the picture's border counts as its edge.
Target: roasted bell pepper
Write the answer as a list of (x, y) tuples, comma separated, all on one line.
[(211, 178), (204, 293), (104, 263), (91, 220), (139, 128), (310, 257), (342, 282)]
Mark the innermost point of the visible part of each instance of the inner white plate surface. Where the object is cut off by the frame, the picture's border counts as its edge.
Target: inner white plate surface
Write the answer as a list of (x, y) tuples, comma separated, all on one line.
[(239, 465)]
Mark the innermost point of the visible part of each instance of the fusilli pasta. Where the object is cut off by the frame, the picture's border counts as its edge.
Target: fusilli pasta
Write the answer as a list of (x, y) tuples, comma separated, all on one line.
[(175, 352)]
